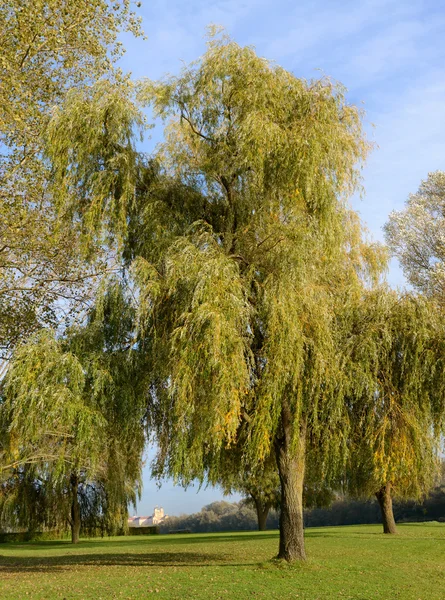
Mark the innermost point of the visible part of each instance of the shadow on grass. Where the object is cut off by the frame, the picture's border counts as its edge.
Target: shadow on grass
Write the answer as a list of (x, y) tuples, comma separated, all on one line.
[(10, 564), (194, 538), (138, 541)]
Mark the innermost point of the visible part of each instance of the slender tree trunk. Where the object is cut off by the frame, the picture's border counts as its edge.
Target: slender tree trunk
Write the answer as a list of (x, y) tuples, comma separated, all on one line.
[(75, 509), (262, 510), (385, 502), (291, 466)]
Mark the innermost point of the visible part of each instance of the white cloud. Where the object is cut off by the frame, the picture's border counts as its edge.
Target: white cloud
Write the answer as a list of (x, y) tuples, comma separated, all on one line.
[(410, 133), (324, 28)]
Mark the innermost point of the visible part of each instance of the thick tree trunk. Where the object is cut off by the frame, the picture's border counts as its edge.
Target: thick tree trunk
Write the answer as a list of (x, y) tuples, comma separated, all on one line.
[(75, 509), (291, 466), (385, 502), (262, 510)]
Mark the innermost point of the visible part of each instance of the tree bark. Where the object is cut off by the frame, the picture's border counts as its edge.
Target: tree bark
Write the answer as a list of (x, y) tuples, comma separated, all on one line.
[(75, 509), (262, 510), (291, 467), (385, 502)]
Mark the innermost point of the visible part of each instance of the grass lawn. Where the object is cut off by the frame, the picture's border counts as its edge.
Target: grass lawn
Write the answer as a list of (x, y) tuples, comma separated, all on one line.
[(344, 562)]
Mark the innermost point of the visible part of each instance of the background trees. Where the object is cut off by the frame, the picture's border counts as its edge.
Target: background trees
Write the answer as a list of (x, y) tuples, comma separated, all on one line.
[(220, 516), (415, 236)]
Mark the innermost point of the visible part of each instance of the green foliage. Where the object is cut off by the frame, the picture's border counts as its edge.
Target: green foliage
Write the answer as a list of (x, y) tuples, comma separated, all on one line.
[(241, 306), (233, 125), (396, 403), (42, 272), (90, 142), (46, 48), (46, 414), (72, 407)]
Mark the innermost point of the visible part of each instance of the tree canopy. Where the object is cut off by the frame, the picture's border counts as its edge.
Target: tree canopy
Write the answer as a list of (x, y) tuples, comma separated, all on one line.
[(47, 47), (73, 421)]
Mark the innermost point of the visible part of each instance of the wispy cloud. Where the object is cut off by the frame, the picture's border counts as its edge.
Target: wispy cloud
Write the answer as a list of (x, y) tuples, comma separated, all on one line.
[(410, 133)]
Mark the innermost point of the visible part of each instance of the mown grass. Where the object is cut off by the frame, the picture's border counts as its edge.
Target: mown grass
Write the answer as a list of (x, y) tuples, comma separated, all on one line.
[(357, 562)]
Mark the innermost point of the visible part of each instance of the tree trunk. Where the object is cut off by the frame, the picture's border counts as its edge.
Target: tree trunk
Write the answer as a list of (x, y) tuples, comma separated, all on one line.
[(385, 502), (291, 466), (75, 509), (262, 510)]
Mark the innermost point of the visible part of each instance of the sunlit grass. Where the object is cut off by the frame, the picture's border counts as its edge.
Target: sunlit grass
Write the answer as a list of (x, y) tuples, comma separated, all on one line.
[(344, 562)]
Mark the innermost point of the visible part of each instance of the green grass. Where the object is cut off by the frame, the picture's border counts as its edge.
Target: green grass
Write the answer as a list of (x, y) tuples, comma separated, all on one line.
[(344, 562)]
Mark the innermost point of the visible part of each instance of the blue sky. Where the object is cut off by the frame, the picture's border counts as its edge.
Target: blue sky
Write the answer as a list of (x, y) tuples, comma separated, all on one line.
[(390, 54)]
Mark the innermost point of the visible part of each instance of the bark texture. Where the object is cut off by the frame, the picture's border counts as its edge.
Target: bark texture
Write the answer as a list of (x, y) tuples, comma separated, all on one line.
[(75, 510), (291, 467), (262, 511), (385, 502)]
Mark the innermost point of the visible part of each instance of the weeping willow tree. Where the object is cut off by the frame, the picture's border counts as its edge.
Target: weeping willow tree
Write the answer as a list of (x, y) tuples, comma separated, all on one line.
[(72, 425), (242, 305), (394, 359), (241, 245)]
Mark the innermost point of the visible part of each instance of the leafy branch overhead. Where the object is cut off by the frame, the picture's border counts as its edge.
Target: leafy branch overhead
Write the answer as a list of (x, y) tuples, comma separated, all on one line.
[(47, 48)]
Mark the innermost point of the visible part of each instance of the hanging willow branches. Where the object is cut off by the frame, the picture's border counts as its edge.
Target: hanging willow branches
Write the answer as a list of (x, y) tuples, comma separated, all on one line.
[(72, 420), (251, 273)]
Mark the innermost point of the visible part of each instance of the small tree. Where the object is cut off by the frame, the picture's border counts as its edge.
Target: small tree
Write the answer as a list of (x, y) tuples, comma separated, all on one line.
[(72, 423), (259, 485), (397, 408)]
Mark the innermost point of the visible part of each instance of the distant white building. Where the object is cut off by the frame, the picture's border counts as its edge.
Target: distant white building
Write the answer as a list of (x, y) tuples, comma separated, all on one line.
[(156, 518)]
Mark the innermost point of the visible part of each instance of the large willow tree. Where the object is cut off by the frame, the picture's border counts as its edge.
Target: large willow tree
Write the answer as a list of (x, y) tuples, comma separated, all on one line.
[(243, 250), (243, 313)]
